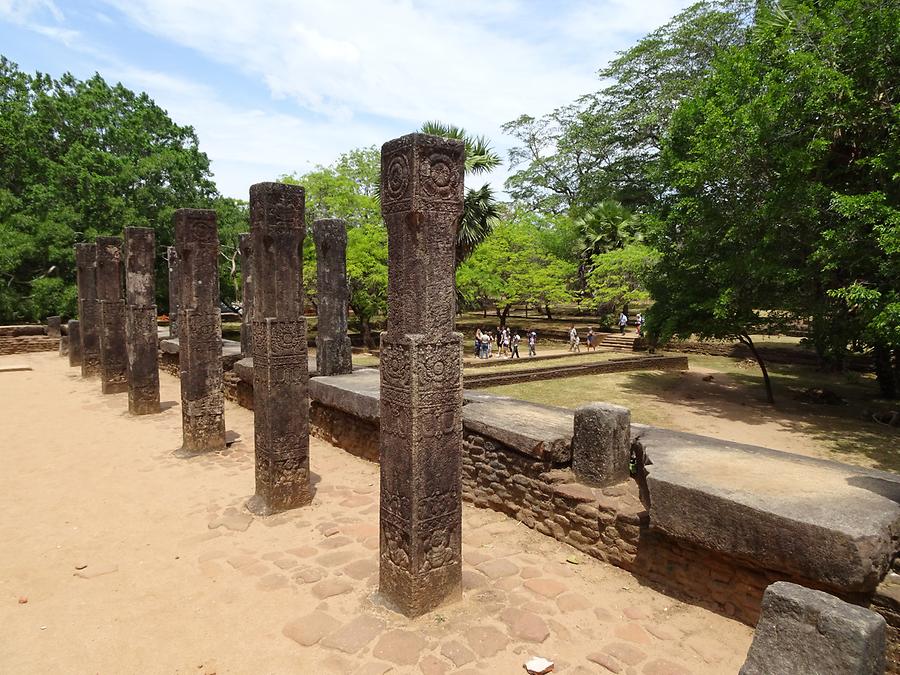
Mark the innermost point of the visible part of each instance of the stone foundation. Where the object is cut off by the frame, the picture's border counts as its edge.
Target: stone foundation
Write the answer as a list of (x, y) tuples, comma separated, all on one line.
[(25, 344)]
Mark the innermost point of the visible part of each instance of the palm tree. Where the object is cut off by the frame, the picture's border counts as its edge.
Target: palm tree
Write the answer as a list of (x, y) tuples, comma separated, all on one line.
[(604, 227), (481, 209)]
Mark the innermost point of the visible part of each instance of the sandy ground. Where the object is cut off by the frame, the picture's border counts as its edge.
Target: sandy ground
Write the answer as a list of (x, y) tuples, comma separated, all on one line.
[(134, 561)]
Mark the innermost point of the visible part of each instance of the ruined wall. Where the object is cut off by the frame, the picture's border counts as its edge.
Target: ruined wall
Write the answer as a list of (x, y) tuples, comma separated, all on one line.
[(24, 344), (611, 524)]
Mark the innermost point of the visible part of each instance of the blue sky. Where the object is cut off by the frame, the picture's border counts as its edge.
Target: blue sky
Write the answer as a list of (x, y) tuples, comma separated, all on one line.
[(279, 86)]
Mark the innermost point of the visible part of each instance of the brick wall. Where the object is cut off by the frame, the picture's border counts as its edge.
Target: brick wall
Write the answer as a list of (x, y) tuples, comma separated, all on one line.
[(28, 343)]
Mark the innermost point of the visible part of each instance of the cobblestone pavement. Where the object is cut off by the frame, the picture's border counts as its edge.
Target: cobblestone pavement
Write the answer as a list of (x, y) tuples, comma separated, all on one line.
[(176, 576)]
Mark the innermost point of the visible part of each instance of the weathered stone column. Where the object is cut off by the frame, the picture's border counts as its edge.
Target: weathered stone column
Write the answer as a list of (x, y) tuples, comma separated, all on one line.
[(74, 342), (280, 371), (601, 444), (54, 324), (246, 250), (334, 355), (141, 336), (199, 331), (88, 308), (113, 359), (421, 375), (174, 286)]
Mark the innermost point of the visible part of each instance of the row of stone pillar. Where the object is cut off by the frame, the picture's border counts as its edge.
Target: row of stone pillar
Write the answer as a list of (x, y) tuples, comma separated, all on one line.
[(116, 335), (421, 359)]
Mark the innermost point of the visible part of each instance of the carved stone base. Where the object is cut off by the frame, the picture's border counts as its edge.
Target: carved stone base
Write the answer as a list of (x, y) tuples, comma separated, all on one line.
[(334, 356), (281, 416), (113, 360), (202, 396), (421, 457)]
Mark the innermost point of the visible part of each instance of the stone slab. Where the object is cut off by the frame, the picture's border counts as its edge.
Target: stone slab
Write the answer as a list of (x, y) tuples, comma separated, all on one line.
[(243, 368), (357, 393), (539, 431), (824, 521), (231, 351), (806, 631)]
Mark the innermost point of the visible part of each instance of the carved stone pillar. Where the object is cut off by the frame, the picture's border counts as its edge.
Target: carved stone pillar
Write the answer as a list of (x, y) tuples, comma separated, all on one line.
[(280, 371), (334, 355), (141, 336), (421, 375), (88, 308), (113, 357)]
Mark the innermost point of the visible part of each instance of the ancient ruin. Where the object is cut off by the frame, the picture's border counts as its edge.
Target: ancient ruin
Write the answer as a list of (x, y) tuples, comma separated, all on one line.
[(174, 286), (141, 336), (199, 331), (74, 330), (88, 308), (333, 351), (421, 376), (280, 366), (113, 357), (246, 294)]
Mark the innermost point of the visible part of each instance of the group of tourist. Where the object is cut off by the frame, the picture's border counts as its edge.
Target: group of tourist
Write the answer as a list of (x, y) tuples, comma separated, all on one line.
[(575, 340), (506, 342)]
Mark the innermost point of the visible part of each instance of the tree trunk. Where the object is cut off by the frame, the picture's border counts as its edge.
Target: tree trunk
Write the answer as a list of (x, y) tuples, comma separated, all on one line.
[(505, 315), (762, 366), (547, 312), (526, 310), (885, 373)]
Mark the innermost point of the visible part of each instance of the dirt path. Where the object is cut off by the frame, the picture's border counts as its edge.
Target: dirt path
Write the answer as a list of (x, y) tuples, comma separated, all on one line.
[(134, 561)]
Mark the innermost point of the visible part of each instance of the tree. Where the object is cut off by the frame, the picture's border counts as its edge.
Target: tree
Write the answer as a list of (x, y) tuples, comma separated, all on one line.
[(619, 277), (511, 267), (80, 159), (784, 172), (480, 208), (605, 145), (367, 275)]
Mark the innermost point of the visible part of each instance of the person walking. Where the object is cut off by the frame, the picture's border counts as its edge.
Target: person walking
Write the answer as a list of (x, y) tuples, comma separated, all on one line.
[(623, 321), (590, 339), (506, 343), (532, 344), (487, 339), (478, 343), (573, 335), (514, 351), (640, 325)]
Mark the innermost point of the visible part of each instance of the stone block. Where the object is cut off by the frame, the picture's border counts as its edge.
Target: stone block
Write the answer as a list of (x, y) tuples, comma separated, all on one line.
[(53, 326), (804, 631), (601, 444), (74, 329)]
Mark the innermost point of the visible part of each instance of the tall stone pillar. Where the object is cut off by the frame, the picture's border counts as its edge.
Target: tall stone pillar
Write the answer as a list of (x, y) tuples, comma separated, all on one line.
[(199, 331), (113, 358), (54, 326), (421, 375), (141, 336), (280, 371), (174, 286), (74, 329), (246, 250), (333, 351), (88, 308)]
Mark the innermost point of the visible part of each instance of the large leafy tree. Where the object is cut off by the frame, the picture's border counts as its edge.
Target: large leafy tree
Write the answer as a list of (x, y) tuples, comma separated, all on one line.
[(80, 159), (784, 172), (480, 209), (605, 145), (512, 267)]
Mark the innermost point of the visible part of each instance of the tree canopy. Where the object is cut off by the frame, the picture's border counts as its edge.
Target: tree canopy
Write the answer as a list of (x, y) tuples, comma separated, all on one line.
[(80, 159)]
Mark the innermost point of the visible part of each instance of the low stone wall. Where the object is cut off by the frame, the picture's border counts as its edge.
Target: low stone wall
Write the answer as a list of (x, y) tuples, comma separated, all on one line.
[(27, 343), (611, 524), (768, 353), (482, 381)]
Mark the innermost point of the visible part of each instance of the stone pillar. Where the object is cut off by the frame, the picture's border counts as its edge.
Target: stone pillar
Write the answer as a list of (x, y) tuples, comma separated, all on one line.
[(421, 376), (141, 335), (53, 326), (246, 250), (280, 371), (601, 444), (74, 330), (113, 358), (805, 631), (63, 345), (199, 331), (88, 308), (333, 351), (174, 285)]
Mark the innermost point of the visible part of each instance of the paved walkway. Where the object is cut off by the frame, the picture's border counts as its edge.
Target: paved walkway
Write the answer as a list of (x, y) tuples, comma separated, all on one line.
[(131, 560)]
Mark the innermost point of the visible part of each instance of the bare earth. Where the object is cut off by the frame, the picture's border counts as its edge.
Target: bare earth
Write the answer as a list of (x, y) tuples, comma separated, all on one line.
[(134, 561)]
